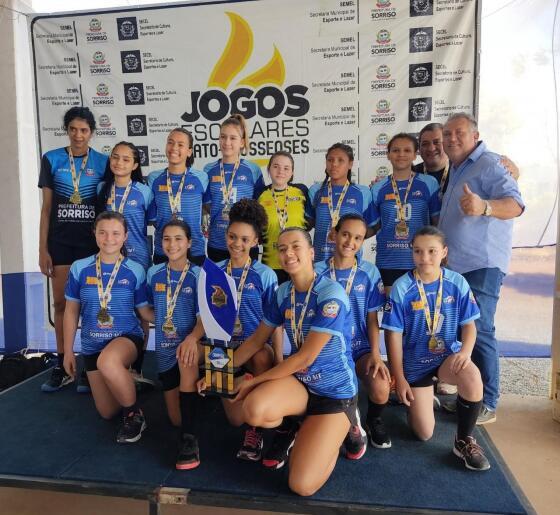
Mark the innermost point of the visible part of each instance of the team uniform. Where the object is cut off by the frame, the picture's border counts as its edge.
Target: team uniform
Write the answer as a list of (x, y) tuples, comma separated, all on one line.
[(366, 296), (195, 185), (404, 313), (71, 225), (247, 182), (331, 379), (394, 252), (184, 317), (357, 199), (290, 201), (128, 292), (135, 212)]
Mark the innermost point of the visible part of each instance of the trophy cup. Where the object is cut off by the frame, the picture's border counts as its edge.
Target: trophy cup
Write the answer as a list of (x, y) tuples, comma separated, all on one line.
[(217, 301)]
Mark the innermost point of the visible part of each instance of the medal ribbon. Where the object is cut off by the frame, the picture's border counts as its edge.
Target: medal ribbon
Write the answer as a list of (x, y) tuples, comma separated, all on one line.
[(241, 281), (297, 328), (400, 208), (226, 190), (335, 213), (171, 301), (282, 215), (443, 177), (104, 294), (113, 199), (432, 327), (175, 200), (350, 280), (76, 178)]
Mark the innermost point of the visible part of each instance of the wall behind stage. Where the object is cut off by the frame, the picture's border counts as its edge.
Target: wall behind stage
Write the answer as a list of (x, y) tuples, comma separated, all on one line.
[(306, 73)]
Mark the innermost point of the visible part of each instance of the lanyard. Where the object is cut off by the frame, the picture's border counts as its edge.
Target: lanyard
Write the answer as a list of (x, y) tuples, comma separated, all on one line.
[(113, 199), (226, 190), (104, 294), (432, 326), (443, 178), (351, 277), (175, 200), (171, 301), (282, 214), (400, 208), (297, 327), (335, 213), (76, 178), (242, 280)]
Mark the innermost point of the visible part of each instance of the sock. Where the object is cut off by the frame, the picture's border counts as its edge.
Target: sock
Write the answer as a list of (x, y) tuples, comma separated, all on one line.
[(137, 365), (467, 413), (60, 358), (188, 403), (126, 410), (374, 410)]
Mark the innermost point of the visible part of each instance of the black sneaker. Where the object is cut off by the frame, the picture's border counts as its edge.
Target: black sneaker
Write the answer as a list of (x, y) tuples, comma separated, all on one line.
[(251, 449), (377, 433), (471, 453), (355, 443), (188, 457), (132, 426), (83, 383), (58, 379), (277, 454)]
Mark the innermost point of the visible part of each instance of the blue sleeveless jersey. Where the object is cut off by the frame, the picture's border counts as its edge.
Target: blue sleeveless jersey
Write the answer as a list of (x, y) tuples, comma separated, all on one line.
[(332, 373), (128, 292), (404, 313), (357, 200), (247, 183), (69, 223), (194, 188), (135, 213), (366, 296), (422, 204), (184, 315)]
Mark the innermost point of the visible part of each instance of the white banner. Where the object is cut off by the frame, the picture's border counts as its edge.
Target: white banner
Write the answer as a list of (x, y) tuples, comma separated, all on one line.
[(305, 73)]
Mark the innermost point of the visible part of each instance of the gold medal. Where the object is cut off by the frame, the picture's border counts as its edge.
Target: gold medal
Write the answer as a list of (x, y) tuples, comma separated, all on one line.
[(237, 328), (433, 344), (225, 212), (76, 198), (103, 316), (401, 230), (168, 327)]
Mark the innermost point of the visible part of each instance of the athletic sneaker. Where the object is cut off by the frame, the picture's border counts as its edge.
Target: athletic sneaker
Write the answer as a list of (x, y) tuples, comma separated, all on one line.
[(446, 389), (449, 406), (377, 433), (437, 403), (143, 384), (471, 453), (355, 443), (83, 383), (277, 454), (58, 379), (188, 457), (486, 416), (251, 449), (131, 428)]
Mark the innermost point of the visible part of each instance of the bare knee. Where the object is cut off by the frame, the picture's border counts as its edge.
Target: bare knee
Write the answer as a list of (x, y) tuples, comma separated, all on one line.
[(423, 432), (106, 412), (107, 363), (379, 390), (253, 412), (302, 486), (469, 383)]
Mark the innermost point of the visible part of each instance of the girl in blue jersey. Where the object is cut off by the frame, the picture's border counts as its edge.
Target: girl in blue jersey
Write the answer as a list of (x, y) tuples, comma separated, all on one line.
[(427, 308), (68, 178), (317, 380), (363, 285), (172, 291), (334, 197), (231, 179), (104, 290), (178, 192), (402, 203)]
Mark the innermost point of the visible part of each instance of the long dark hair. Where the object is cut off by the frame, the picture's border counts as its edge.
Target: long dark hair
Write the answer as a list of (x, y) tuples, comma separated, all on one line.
[(190, 160), (109, 178), (347, 149)]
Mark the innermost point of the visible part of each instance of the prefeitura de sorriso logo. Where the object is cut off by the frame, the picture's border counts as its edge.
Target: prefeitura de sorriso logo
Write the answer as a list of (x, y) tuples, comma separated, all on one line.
[(276, 111)]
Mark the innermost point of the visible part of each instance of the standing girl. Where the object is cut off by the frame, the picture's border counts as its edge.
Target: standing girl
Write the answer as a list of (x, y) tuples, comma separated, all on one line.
[(427, 308), (284, 204), (231, 179), (172, 291), (402, 203), (68, 178), (334, 197), (178, 191), (363, 285), (104, 290)]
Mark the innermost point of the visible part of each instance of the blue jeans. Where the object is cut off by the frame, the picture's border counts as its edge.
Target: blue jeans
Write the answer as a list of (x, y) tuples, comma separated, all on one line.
[(485, 285)]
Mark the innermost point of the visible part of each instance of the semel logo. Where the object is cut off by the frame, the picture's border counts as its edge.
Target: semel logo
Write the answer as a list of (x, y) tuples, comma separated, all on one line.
[(136, 125), (134, 94), (131, 61), (419, 109), (127, 28), (419, 75), (144, 154), (261, 93), (421, 7), (421, 39)]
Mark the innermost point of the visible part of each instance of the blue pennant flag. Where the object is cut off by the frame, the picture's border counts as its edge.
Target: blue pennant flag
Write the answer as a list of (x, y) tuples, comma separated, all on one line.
[(217, 301)]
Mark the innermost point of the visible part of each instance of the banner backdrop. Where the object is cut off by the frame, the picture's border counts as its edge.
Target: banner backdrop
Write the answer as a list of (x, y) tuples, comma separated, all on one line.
[(305, 73)]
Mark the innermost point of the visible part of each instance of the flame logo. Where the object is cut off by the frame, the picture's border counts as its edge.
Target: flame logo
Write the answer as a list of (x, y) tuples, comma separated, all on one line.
[(235, 56)]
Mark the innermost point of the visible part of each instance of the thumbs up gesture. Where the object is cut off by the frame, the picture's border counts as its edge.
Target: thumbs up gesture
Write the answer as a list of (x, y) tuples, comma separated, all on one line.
[(471, 203)]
